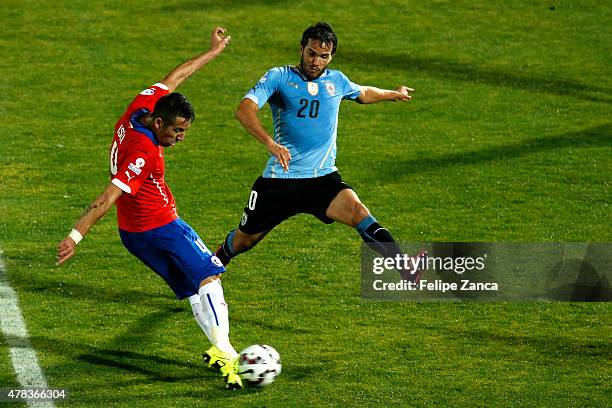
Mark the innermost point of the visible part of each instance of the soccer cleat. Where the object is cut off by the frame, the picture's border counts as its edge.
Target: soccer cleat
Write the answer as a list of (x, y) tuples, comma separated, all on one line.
[(215, 358), (420, 262), (230, 375), (226, 365)]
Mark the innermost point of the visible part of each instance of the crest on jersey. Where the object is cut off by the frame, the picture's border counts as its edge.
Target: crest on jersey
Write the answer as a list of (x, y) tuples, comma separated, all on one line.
[(331, 89), (313, 88)]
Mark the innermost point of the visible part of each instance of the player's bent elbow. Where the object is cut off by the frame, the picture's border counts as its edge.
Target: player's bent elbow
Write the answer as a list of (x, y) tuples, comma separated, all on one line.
[(245, 114), (240, 112), (238, 115)]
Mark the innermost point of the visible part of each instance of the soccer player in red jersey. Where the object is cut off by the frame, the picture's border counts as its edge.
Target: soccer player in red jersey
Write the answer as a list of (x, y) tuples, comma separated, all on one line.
[(149, 225)]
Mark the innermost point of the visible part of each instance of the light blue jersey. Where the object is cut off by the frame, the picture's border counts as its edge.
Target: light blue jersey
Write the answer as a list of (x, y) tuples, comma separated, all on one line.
[(305, 118)]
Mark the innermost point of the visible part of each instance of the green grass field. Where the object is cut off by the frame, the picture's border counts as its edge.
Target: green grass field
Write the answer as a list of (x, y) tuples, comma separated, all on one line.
[(508, 139)]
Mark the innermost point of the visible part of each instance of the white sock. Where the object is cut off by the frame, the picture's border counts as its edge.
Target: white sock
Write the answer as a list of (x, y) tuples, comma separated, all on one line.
[(216, 316), (198, 313)]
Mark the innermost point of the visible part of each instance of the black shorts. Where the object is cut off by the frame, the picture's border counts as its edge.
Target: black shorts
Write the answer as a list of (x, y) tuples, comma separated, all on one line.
[(274, 200)]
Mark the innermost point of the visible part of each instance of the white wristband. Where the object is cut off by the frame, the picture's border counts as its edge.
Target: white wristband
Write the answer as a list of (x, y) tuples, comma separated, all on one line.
[(76, 236)]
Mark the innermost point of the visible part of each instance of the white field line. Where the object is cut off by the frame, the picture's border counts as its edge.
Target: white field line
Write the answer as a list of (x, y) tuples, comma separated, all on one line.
[(25, 363)]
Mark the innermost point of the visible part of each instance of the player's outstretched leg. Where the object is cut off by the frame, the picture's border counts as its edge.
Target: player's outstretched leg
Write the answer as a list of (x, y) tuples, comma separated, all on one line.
[(211, 313), (237, 242), (348, 209), (380, 240), (226, 252)]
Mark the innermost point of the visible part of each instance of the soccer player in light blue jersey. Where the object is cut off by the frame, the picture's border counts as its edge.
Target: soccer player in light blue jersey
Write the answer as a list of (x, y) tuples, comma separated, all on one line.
[(301, 175)]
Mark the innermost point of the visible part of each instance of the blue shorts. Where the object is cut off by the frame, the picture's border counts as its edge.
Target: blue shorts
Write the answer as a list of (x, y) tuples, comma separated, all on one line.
[(176, 253)]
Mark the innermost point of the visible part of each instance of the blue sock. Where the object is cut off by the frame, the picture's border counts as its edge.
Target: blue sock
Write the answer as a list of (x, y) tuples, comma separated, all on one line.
[(377, 237), (226, 251), (365, 223)]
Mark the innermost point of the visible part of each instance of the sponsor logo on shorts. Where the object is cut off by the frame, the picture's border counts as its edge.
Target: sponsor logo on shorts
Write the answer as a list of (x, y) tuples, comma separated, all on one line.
[(216, 261), (244, 219)]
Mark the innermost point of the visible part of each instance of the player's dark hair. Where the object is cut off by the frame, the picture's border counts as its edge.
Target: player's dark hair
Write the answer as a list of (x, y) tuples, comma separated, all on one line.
[(322, 32), (170, 106)]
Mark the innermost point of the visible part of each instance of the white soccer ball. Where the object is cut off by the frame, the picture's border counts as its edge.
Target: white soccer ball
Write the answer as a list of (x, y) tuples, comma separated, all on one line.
[(259, 365)]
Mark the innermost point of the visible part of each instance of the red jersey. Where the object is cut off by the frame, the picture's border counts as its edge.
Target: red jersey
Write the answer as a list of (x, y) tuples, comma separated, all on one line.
[(137, 168)]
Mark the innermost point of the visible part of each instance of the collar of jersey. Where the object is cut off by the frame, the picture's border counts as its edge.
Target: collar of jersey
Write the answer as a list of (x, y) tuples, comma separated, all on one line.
[(139, 127), (297, 71)]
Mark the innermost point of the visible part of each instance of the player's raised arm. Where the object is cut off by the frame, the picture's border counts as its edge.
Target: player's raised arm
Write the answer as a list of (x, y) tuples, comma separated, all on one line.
[(247, 116), (370, 94), (218, 42), (94, 212)]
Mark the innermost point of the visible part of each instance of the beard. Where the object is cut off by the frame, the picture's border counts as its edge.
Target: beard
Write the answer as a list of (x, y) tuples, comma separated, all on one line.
[(309, 71)]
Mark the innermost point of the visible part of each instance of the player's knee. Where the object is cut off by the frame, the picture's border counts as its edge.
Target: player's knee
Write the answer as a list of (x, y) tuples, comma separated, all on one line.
[(209, 279), (360, 211)]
